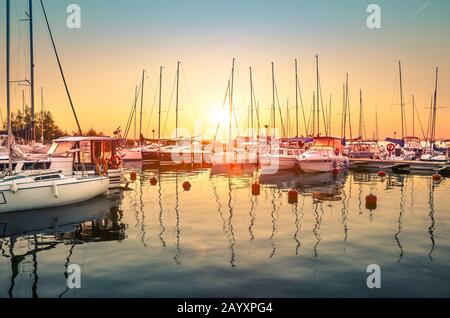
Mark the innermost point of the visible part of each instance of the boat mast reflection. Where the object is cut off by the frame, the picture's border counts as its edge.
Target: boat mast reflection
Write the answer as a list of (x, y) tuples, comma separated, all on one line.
[(177, 216), (227, 227), (400, 220), (161, 223), (298, 224), (431, 215), (318, 216), (275, 215), (230, 224)]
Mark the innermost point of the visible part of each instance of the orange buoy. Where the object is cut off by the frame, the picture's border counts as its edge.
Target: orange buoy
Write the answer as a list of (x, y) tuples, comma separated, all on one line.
[(382, 173), (292, 196), (153, 181), (371, 202), (186, 185), (437, 177), (256, 188), (133, 176)]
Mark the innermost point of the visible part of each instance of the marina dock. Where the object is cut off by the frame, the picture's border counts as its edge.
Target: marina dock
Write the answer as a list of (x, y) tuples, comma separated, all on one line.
[(405, 166)]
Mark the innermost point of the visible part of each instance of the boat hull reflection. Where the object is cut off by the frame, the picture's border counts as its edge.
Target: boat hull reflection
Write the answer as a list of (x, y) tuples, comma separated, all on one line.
[(55, 220), (324, 186)]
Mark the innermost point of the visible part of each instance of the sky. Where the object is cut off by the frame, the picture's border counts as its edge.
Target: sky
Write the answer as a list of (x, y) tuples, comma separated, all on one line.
[(104, 59)]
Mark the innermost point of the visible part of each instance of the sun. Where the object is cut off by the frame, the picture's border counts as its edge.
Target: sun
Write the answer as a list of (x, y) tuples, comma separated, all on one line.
[(218, 115)]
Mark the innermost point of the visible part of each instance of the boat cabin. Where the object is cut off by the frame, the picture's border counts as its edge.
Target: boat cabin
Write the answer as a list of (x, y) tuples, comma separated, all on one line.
[(327, 142), (285, 152), (368, 149), (85, 151)]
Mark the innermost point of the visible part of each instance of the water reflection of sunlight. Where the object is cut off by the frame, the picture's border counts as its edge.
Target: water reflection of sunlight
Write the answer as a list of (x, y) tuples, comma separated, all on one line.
[(220, 226)]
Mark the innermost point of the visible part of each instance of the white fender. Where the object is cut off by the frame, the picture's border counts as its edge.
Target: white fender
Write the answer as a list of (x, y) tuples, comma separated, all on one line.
[(14, 188), (55, 190)]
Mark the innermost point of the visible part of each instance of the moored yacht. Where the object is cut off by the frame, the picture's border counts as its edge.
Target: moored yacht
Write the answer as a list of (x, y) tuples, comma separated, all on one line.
[(363, 149), (182, 153), (231, 155), (44, 190), (76, 156), (408, 148), (325, 155), (280, 159)]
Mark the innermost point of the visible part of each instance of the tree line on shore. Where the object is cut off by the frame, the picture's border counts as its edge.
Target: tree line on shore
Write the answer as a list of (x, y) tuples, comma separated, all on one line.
[(44, 122)]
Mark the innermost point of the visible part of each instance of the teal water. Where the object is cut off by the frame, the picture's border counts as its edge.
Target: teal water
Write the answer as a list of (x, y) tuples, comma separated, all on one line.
[(218, 240)]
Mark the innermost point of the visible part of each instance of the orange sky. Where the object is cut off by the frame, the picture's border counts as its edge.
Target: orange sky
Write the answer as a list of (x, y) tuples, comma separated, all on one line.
[(103, 61)]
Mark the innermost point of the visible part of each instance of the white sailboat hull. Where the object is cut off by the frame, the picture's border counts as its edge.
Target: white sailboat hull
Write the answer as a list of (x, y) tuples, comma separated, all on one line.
[(278, 163), (52, 193), (230, 157), (316, 165)]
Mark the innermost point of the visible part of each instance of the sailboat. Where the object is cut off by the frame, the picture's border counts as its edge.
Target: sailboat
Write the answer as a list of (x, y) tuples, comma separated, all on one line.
[(45, 190), (135, 153), (363, 148), (185, 150), (78, 156), (408, 147), (325, 155), (238, 152), (41, 190), (326, 152), (435, 154), (282, 157)]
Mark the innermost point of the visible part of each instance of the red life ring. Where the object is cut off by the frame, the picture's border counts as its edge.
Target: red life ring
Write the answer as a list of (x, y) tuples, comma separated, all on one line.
[(390, 147), (115, 161)]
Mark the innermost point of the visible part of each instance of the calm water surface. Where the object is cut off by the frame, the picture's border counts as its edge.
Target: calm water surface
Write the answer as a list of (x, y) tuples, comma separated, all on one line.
[(217, 240)]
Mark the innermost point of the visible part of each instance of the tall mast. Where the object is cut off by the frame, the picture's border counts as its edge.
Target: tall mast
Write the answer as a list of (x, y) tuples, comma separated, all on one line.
[(273, 99), (231, 102), (433, 131), (23, 111), (361, 117), (401, 99), (251, 101), (329, 117), (142, 105), (61, 69), (314, 115), (288, 126), (296, 100), (30, 16), (136, 92), (347, 101), (42, 115), (413, 116), (376, 123), (176, 104), (317, 90), (343, 113), (8, 101), (159, 105)]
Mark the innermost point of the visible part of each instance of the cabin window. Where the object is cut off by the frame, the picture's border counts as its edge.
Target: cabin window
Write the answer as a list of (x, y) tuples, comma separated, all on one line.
[(85, 152), (36, 165), (107, 150), (49, 177), (290, 152), (280, 152), (60, 148), (97, 151), (5, 166)]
